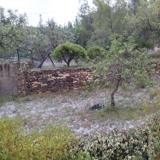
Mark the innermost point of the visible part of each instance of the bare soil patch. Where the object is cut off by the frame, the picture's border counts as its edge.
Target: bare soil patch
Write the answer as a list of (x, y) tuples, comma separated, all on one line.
[(72, 110)]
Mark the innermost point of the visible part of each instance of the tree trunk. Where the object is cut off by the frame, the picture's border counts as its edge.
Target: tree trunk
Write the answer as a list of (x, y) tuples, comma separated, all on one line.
[(115, 90), (44, 59), (31, 58), (69, 61), (51, 60), (41, 63), (68, 64)]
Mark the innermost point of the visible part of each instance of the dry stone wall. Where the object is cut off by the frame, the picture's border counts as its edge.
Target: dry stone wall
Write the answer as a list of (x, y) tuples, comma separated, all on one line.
[(42, 81), (47, 81), (25, 81)]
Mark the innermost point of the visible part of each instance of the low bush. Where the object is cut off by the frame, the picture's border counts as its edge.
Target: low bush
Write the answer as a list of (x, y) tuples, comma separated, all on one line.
[(54, 143), (58, 143), (137, 144), (96, 53)]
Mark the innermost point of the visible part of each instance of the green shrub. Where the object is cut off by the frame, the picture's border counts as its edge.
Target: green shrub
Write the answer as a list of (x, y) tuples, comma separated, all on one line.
[(142, 80), (96, 53), (54, 143), (69, 51), (58, 143), (137, 144)]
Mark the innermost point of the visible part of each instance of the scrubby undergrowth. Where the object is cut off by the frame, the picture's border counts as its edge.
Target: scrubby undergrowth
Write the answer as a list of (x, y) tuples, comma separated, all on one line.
[(58, 143), (136, 144), (53, 143)]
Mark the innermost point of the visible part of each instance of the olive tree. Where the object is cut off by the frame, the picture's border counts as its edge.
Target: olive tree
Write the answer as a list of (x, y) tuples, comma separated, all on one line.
[(68, 52), (12, 26), (125, 64)]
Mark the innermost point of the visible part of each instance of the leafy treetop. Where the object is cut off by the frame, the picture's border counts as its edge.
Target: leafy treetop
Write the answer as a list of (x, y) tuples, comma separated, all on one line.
[(69, 51)]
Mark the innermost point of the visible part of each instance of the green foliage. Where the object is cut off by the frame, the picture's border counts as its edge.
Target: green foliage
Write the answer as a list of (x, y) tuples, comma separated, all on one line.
[(132, 62), (58, 143), (84, 24), (11, 30), (124, 64), (141, 143), (138, 19), (96, 53), (69, 51), (54, 143)]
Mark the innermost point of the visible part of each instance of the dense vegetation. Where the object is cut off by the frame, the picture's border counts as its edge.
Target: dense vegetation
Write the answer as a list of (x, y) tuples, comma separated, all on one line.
[(115, 39), (58, 143), (98, 26), (54, 143), (114, 34)]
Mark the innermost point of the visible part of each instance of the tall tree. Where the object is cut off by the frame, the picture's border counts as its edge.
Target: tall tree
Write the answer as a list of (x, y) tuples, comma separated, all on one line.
[(84, 24), (134, 6), (12, 26)]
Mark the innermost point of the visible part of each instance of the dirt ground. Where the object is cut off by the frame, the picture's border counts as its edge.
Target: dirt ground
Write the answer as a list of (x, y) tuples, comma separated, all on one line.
[(72, 109)]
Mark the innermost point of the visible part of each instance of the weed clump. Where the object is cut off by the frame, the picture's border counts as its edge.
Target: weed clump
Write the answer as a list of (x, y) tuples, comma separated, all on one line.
[(53, 143)]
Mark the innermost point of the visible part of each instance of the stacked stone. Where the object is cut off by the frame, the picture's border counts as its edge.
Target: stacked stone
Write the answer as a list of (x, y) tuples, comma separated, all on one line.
[(43, 81)]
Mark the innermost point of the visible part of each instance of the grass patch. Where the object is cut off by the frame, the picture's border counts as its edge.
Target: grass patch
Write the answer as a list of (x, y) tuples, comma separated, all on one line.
[(117, 114), (125, 113), (53, 143)]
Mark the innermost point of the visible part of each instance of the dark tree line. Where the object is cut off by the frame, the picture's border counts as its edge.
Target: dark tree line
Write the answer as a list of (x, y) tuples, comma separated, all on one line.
[(138, 19)]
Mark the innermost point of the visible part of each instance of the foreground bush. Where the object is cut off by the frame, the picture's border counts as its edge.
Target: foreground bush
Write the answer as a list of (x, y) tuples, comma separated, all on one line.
[(136, 144), (58, 143), (55, 143)]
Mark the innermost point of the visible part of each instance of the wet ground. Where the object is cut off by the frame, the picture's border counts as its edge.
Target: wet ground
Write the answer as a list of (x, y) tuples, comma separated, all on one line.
[(72, 109)]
